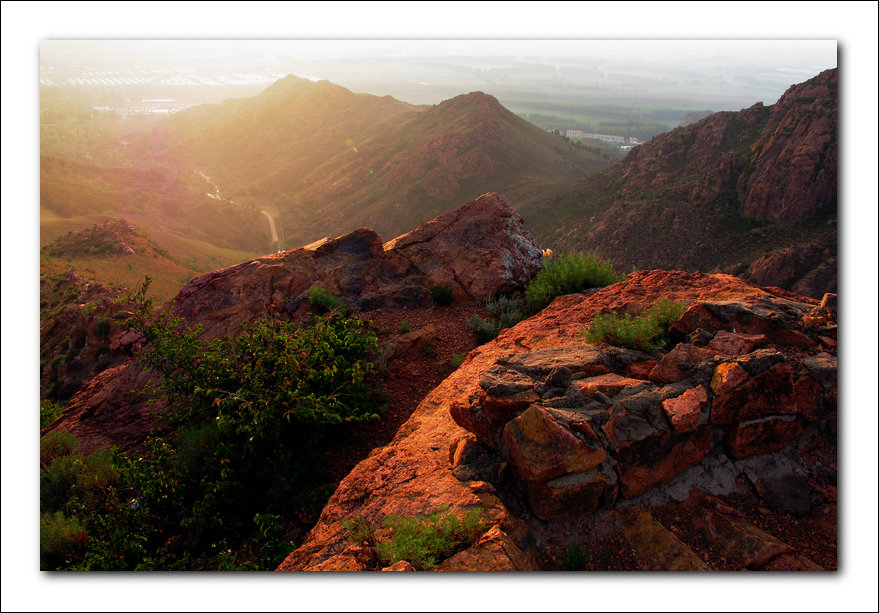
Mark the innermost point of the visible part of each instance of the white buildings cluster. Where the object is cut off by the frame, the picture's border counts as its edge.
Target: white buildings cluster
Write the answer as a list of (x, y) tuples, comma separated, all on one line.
[(608, 138)]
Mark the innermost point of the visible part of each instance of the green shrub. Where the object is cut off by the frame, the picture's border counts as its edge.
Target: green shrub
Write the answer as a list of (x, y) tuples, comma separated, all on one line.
[(57, 444), (423, 541), (49, 412), (442, 295), (103, 326), (62, 540), (575, 558), (360, 530), (646, 332), (323, 301), (68, 476), (251, 414), (483, 329), (665, 312), (568, 274), (403, 328), (507, 313), (426, 541), (457, 359)]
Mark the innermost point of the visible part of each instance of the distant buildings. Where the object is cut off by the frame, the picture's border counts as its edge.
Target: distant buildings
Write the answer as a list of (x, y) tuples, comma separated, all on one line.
[(608, 138)]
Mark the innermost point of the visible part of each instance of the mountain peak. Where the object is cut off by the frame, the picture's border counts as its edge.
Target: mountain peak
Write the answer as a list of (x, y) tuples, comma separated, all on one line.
[(474, 101)]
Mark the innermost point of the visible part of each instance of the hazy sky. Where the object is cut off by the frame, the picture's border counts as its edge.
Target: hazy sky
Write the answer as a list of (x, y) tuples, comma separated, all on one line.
[(716, 74), (820, 51)]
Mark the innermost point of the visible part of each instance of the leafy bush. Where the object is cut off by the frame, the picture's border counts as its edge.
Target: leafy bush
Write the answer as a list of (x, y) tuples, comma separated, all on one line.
[(322, 300), (646, 332), (442, 295), (403, 328), (457, 359), (568, 274), (62, 540), (251, 413), (423, 541), (49, 412)]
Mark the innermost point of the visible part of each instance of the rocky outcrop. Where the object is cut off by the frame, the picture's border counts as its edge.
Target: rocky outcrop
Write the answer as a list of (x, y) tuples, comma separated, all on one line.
[(479, 250), (79, 335), (550, 434), (778, 162), (114, 238), (755, 187), (793, 162), (805, 270)]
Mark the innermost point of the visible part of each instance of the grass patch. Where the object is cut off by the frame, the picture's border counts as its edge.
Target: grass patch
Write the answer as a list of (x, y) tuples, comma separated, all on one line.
[(568, 274), (404, 327), (422, 541), (647, 332), (323, 301), (457, 359)]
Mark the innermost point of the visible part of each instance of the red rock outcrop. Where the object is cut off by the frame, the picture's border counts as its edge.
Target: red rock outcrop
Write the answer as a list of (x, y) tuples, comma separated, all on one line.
[(479, 250), (806, 270), (112, 238), (545, 432), (752, 192), (796, 155)]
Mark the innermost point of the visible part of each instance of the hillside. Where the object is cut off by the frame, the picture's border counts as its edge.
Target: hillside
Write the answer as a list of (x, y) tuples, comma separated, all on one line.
[(110, 250), (752, 192), (154, 195), (326, 161)]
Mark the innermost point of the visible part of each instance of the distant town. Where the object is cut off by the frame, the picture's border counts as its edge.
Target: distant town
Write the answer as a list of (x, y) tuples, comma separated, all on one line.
[(622, 141)]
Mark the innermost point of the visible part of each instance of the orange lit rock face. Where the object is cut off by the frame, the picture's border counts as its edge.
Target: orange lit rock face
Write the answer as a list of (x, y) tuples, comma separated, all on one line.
[(683, 411), (576, 437)]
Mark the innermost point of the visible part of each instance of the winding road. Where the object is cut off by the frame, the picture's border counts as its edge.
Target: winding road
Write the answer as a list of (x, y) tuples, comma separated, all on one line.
[(217, 196), (271, 225)]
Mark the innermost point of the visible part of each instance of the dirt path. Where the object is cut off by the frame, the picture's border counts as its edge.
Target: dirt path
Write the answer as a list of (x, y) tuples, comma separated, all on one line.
[(216, 195), (271, 225)]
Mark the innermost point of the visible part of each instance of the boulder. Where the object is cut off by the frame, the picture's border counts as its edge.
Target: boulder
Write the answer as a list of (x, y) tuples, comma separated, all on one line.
[(685, 410), (769, 393)]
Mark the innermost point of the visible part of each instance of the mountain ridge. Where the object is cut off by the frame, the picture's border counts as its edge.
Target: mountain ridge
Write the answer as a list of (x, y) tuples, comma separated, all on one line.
[(715, 195), (328, 160)]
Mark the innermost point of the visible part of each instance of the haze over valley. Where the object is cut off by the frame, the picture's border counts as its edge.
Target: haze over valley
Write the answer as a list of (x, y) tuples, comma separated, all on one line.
[(205, 145)]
